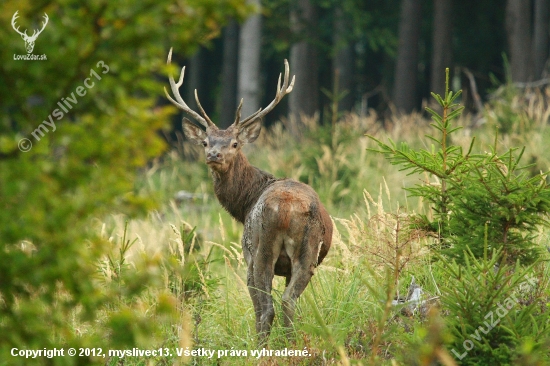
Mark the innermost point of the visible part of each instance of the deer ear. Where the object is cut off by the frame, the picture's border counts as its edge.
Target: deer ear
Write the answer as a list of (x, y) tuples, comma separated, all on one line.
[(192, 132), (251, 132)]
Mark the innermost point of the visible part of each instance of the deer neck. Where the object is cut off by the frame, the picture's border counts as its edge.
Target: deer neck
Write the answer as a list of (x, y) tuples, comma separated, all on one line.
[(240, 186)]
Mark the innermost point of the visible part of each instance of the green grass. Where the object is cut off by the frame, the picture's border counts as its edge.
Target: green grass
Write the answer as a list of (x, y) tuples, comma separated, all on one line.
[(342, 314)]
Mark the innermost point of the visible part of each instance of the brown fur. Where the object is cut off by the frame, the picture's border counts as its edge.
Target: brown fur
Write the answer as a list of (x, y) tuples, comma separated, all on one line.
[(239, 187)]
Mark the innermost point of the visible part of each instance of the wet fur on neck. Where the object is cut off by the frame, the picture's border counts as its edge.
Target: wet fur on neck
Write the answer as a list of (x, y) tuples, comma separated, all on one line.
[(239, 187)]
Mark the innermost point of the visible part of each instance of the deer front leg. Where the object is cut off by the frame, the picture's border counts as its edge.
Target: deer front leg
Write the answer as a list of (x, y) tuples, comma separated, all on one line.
[(252, 289)]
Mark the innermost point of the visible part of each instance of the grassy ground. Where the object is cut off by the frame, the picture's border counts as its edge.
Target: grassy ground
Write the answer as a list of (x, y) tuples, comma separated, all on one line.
[(343, 316)]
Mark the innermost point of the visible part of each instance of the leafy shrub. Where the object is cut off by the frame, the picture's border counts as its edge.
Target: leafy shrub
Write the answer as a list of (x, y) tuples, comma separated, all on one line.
[(50, 292)]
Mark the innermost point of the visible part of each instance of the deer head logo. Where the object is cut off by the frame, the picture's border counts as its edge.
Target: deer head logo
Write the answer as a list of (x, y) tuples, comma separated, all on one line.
[(29, 40)]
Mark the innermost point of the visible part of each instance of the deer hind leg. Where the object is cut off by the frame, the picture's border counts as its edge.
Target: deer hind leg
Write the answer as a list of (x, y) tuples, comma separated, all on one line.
[(270, 244), (303, 264), (301, 275)]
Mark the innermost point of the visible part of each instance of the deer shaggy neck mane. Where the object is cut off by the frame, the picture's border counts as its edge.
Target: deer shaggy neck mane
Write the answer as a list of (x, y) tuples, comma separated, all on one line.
[(239, 187)]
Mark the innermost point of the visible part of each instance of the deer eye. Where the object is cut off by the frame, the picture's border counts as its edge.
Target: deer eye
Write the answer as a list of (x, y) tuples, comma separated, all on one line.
[(204, 143), (235, 145)]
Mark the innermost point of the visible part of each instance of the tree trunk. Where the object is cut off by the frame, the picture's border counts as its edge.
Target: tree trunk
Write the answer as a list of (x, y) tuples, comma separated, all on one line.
[(343, 62), (249, 62), (540, 36), (442, 44), (303, 63), (229, 74), (194, 79), (518, 29), (406, 70)]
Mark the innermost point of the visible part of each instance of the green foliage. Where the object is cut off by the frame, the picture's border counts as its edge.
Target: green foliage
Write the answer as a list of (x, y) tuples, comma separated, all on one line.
[(85, 167), (318, 149), (118, 264), (506, 113), (492, 314), (505, 106), (335, 97), (370, 26), (425, 344), (474, 190), (442, 162), (500, 194), (185, 267)]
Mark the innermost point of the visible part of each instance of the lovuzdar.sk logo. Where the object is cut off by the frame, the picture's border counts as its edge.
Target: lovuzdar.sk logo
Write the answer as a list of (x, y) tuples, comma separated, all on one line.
[(29, 40)]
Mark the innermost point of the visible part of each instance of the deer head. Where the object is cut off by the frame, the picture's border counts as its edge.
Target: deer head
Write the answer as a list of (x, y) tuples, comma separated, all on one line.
[(221, 146), (29, 40)]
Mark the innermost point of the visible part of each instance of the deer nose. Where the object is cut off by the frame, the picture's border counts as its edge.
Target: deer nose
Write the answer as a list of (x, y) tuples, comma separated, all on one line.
[(213, 156)]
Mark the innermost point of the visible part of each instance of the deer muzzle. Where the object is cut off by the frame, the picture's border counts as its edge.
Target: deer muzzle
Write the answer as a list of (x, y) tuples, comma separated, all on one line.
[(214, 157)]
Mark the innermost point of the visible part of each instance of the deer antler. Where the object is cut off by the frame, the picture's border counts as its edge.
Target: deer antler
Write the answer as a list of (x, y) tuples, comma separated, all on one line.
[(180, 103), (281, 92), (15, 16)]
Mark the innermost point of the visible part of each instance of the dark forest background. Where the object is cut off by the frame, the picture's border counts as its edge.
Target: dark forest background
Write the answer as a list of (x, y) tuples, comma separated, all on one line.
[(387, 55)]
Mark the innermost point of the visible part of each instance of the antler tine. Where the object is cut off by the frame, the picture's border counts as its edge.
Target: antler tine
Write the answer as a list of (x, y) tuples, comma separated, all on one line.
[(252, 117), (238, 113), (237, 121), (179, 102), (279, 86), (287, 72), (281, 92), (208, 120)]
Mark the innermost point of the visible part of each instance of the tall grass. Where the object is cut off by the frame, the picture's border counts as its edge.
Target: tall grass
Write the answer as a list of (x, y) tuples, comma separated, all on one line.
[(346, 313)]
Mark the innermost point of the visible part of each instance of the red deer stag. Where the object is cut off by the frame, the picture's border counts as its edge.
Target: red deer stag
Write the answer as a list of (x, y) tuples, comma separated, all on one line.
[(287, 231)]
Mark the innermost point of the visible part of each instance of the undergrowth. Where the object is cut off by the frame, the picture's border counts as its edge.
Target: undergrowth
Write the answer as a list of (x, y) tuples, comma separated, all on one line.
[(351, 313)]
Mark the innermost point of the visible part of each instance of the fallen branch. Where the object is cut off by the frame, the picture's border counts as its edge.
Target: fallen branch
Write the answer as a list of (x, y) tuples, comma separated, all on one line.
[(473, 86)]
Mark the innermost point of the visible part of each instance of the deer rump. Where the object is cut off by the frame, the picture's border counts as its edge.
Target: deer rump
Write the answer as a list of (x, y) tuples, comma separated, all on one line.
[(289, 226)]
